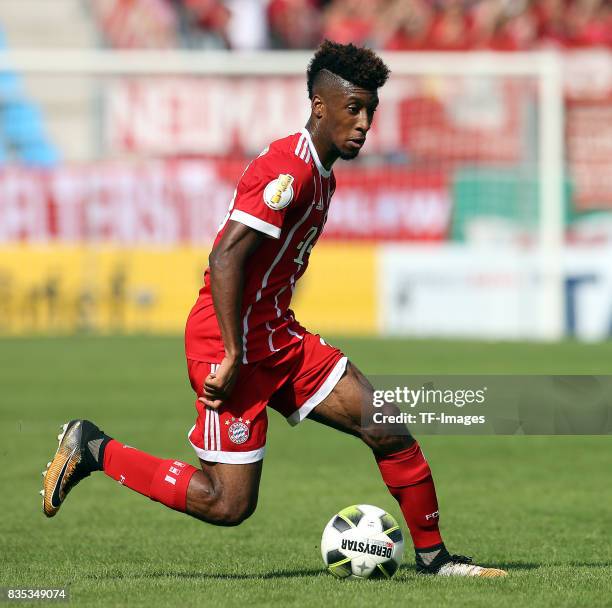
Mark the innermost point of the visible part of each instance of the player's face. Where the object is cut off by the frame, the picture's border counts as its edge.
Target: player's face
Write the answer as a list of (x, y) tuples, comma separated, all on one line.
[(349, 116)]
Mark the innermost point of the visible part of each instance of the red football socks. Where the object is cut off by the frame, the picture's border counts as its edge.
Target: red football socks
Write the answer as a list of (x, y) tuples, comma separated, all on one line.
[(409, 480), (164, 481)]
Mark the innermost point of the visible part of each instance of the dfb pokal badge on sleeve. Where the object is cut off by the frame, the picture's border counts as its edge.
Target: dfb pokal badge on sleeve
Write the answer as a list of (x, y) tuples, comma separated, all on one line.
[(279, 192)]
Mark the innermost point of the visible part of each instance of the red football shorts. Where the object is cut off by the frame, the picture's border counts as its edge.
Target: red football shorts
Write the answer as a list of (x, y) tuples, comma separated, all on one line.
[(292, 381)]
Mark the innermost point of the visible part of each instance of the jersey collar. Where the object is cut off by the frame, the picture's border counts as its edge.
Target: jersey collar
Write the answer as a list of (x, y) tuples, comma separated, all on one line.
[(322, 170)]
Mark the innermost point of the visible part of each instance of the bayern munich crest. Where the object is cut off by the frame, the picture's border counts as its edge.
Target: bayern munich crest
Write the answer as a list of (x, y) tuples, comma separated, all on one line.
[(238, 430)]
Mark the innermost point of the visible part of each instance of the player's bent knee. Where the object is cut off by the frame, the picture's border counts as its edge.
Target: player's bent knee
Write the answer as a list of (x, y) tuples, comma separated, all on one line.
[(221, 510), (384, 444), (230, 513)]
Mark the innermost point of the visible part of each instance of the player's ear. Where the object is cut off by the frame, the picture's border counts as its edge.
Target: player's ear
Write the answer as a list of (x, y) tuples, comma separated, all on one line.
[(317, 106)]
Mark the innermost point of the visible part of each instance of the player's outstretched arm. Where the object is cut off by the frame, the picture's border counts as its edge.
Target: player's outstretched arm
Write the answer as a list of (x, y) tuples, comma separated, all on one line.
[(227, 261)]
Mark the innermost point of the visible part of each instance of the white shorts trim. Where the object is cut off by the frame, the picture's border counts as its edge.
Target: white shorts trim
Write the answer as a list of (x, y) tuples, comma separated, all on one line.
[(227, 457), (254, 222), (324, 390)]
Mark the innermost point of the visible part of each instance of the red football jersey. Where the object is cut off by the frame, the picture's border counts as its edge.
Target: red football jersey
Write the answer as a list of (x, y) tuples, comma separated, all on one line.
[(284, 193)]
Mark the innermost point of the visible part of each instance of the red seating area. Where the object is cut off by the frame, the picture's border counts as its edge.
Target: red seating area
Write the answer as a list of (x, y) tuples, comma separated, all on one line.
[(446, 25)]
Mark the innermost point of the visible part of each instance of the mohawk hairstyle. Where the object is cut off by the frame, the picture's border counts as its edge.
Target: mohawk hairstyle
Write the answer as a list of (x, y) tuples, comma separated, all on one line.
[(360, 66)]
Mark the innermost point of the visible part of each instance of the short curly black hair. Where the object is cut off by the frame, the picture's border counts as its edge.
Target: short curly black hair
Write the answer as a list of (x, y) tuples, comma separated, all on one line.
[(360, 66)]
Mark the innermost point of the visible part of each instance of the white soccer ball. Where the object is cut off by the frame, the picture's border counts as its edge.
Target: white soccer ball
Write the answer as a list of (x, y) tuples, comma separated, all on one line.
[(362, 541)]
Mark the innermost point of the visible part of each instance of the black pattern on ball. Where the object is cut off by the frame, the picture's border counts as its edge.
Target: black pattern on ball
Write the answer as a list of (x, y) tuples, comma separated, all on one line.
[(395, 535), (341, 525), (353, 514), (390, 566), (387, 522), (335, 556), (378, 573)]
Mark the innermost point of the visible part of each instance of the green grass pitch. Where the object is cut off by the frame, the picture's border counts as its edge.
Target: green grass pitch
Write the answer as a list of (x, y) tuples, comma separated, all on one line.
[(539, 506)]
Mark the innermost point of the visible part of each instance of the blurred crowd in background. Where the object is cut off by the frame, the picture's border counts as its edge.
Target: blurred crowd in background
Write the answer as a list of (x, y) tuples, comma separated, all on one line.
[(441, 25)]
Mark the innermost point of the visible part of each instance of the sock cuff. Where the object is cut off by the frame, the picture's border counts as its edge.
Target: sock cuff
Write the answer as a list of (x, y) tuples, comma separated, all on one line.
[(106, 451), (102, 451), (170, 483), (404, 468), (432, 549)]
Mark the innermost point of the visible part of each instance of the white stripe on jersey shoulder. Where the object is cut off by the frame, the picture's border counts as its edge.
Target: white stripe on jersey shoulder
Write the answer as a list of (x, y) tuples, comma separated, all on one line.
[(305, 154), (300, 145), (304, 151), (301, 150), (322, 170)]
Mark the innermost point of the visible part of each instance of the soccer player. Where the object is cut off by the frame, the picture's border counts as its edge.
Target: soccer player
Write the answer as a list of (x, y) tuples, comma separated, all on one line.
[(246, 351)]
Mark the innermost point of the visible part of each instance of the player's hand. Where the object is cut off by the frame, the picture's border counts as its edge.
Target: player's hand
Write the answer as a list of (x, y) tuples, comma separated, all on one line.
[(218, 385)]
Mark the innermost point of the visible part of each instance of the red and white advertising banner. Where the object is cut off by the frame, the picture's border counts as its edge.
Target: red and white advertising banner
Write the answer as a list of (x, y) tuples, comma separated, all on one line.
[(425, 118), (588, 127), (589, 152), (165, 203), (390, 205)]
